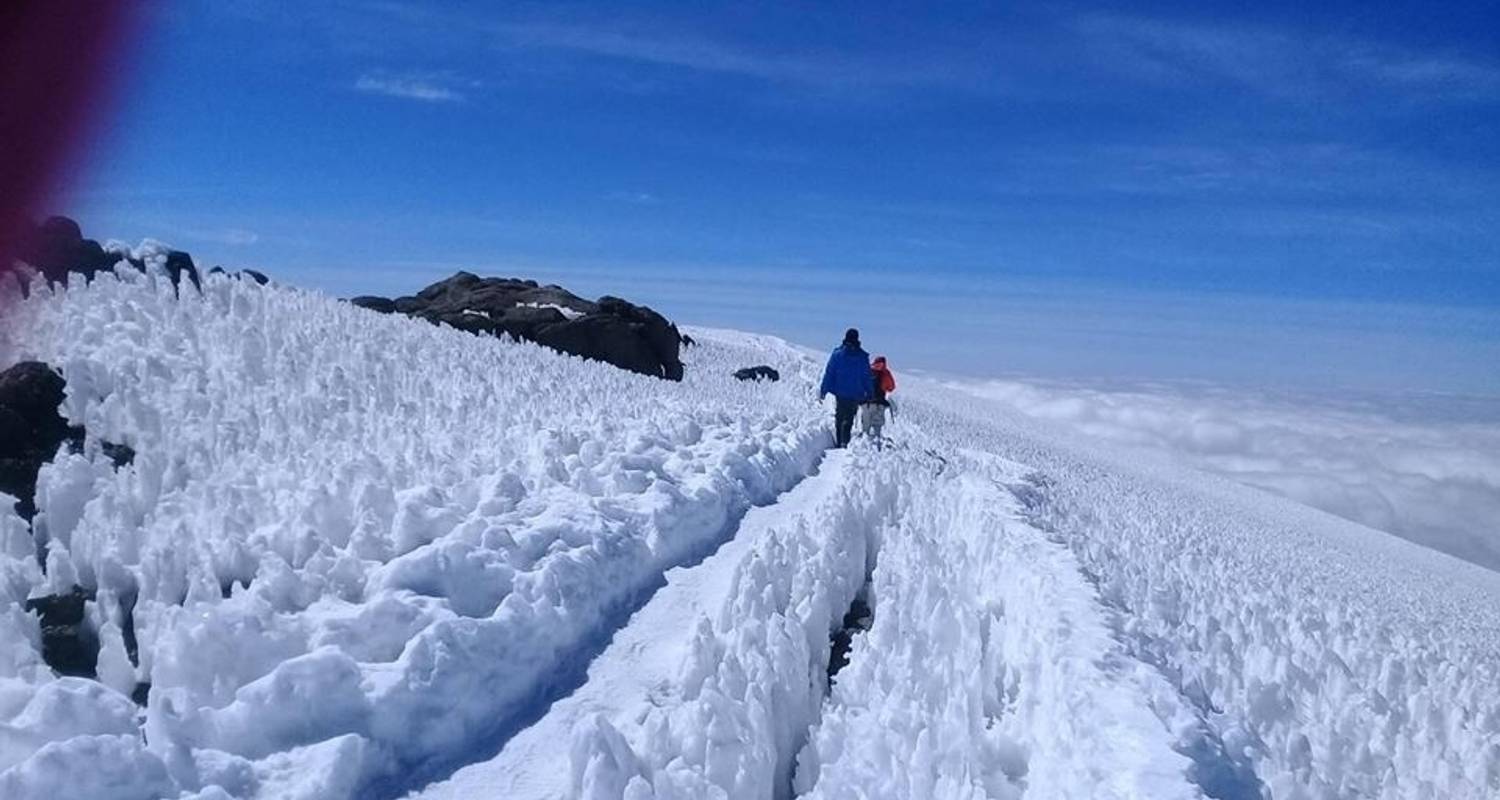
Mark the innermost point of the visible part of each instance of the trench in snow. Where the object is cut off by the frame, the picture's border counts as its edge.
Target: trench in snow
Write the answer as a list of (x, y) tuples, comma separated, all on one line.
[(570, 671), (1217, 769)]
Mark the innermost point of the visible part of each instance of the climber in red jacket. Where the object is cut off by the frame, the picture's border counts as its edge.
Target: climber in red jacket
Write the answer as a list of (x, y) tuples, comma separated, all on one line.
[(872, 413)]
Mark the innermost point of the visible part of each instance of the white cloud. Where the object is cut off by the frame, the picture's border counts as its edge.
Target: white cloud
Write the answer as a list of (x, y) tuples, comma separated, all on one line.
[(635, 198), (426, 87), (1426, 468), (1280, 62), (238, 237), (210, 234), (825, 70)]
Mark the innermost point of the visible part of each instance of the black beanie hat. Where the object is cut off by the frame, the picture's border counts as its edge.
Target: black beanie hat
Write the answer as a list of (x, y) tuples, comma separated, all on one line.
[(851, 336)]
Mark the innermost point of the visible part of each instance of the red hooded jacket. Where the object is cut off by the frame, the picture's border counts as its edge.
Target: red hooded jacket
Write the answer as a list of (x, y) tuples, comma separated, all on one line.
[(885, 382)]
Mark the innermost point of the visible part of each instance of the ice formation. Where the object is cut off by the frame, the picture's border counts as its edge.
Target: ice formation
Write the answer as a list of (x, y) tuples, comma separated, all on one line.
[(363, 556)]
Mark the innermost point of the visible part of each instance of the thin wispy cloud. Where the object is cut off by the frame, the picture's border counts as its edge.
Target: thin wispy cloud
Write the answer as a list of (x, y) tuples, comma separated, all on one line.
[(698, 53), (635, 198), (1279, 62), (1363, 200), (423, 87), (688, 51), (235, 237), (1276, 61), (227, 236)]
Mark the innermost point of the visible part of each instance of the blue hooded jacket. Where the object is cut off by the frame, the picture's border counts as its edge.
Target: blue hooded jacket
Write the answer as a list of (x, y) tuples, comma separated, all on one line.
[(848, 375)]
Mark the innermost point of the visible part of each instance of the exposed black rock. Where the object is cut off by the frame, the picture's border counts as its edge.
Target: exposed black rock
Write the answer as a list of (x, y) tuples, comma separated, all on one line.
[(383, 305), (69, 645), (57, 248), (127, 629), (18, 479), (13, 433), (611, 330), (31, 389), (180, 265), (244, 274), (760, 373), (118, 454), (856, 621), (31, 430), (132, 647)]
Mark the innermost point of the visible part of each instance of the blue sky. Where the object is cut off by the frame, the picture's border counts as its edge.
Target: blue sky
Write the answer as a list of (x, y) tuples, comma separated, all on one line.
[(1295, 194)]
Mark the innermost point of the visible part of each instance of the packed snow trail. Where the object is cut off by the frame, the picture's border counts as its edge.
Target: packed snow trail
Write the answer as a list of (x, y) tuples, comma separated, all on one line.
[(990, 669), (551, 700), (639, 667), (751, 683)]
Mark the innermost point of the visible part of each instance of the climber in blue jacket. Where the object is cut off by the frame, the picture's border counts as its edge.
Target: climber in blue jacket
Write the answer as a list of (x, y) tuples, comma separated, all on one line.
[(849, 380)]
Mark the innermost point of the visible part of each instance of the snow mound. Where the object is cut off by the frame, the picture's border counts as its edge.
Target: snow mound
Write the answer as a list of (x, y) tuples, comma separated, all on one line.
[(346, 531)]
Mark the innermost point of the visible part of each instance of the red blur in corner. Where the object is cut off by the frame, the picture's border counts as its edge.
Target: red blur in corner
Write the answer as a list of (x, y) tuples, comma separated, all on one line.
[(57, 70)]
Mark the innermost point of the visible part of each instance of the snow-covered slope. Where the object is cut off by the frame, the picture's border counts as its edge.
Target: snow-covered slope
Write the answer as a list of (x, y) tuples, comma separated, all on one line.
[(364, 556), (349, 539), (1330, 658)]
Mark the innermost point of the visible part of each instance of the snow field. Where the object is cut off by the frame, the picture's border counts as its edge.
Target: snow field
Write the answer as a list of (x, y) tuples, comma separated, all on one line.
[(360, 552), (353, 545), (1330, 699), (990, 669), (641, 665), (754, 675), (1327, 660)]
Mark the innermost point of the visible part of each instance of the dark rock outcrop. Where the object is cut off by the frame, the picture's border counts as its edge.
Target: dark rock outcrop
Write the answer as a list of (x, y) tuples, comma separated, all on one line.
[(760, 373), (69, 645), (31, 389), (244, 274), (30, 429), (56, 248), (383, 305), (611, 330), (856, 621), (179, 266), (118, 454), (31, 432)]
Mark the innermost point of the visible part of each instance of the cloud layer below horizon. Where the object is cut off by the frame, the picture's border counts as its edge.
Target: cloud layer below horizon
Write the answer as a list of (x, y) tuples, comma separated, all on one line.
[(1425, 468)]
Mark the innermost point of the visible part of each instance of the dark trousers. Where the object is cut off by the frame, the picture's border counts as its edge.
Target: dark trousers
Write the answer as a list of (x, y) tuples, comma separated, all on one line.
[(843, 421)]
